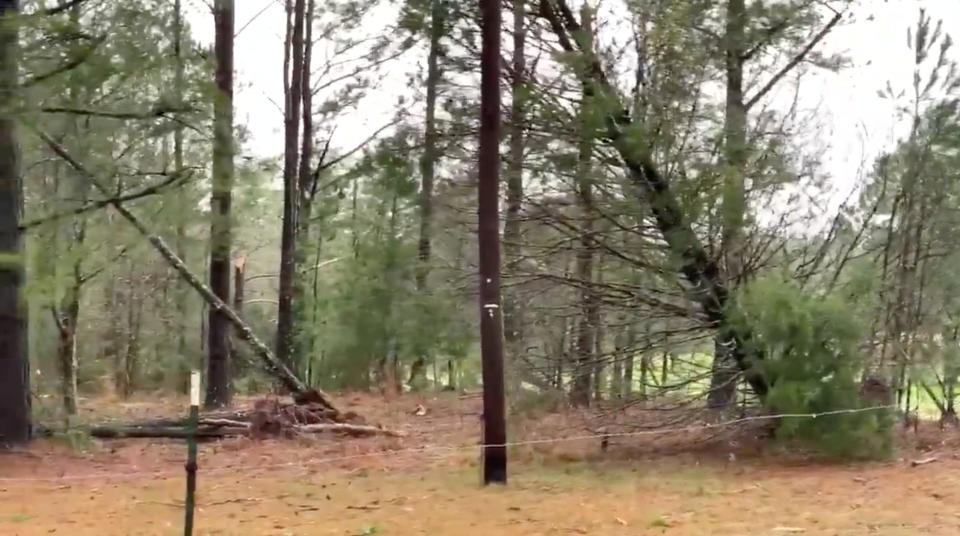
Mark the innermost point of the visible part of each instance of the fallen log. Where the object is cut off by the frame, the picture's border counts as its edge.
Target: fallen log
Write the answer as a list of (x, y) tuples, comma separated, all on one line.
[(344, 428), (302, 393), (168, 432)]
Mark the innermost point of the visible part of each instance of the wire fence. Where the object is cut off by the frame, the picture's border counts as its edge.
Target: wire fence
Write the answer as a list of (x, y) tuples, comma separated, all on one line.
[(439, 449)]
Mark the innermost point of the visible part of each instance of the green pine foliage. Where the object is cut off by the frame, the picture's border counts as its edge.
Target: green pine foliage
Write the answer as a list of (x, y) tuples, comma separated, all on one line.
[(812, 360)]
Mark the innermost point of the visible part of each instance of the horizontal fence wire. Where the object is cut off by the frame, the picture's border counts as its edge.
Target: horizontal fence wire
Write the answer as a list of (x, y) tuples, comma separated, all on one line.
[(450, 449)]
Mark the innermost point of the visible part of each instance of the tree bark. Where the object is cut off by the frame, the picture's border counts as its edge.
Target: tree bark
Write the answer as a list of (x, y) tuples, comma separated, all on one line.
[(512, 227), (67, 312), (218, 343), (130, 372), (293, 98), (182, 210), (306, 189), (586, 336), (628, 362), (724, 375), (599, 372), (15, 424), (427, 170)]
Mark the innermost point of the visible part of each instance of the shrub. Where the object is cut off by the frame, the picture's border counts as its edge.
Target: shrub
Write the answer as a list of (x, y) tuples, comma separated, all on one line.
[(811, 362)]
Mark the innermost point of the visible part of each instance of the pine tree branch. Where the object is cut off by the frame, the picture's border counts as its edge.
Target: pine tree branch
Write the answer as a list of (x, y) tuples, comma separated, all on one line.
[(155, 113), (66, 67), (794, 62), (101, 203), (87, 277)]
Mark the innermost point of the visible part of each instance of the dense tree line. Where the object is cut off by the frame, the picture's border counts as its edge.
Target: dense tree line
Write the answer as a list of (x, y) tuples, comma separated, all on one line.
[(661, 236)]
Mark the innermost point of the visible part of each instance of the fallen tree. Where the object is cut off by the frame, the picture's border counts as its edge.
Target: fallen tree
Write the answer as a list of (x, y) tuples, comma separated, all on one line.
[(267, 418), (302, 393), (707, 287)]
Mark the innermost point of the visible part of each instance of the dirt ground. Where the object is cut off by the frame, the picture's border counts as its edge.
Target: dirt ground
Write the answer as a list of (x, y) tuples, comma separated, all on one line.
[(428, 482)]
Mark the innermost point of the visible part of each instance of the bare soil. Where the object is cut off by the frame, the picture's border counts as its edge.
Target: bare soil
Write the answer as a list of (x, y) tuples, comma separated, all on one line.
[(428, 482)]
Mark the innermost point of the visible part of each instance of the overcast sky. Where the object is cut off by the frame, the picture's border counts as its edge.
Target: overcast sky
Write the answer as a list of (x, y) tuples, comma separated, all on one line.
[(858, 124)]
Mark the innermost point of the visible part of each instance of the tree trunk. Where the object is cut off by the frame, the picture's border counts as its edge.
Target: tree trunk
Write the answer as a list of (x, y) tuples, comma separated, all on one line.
[(293, 98), (724, 375), (559, 353), (67, 311), (218, 345), (451, 374), (512, 227), (645, 371), (616, 376), (628, 363), (239, 281), (67, 318), (306, 190), (427, 168), (182, 209), (599, 374), (666, 367), (580, 391), (15, 425), (131, 359)]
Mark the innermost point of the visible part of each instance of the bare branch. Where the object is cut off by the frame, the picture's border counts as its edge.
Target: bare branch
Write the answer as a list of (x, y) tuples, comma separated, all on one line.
[(65, 6), (101, 203)]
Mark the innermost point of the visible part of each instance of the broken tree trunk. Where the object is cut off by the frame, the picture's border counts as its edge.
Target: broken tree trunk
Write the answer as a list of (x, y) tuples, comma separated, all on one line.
[(302, 393)]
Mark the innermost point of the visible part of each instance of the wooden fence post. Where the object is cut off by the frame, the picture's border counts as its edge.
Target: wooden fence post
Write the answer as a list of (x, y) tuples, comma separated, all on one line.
[(191, 465)]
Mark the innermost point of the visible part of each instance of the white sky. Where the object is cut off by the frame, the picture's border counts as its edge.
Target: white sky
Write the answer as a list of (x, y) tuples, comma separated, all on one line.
[(860, 124)]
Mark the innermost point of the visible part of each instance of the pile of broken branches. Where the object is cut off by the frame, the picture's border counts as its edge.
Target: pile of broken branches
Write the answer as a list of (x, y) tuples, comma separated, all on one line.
[(268, 418)]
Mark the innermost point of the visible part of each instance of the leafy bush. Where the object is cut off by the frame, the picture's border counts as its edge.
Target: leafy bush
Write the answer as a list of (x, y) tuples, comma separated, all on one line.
[(811, 362)]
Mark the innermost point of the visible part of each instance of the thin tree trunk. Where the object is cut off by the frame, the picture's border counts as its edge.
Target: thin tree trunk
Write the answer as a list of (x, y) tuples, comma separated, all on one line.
[(616, 375), (239, 282), (182, 209), (580, 391), (293, 98), (599, 375), (512, 227), (427, 169), (15, 424), (218, 346), (306, 189), (644, 374), (67, 312), (663, 373), (131, 359), (628, 364), (724, 376), (67, 319)]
